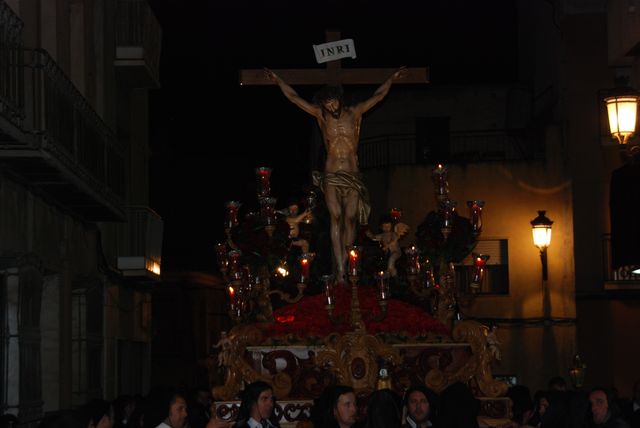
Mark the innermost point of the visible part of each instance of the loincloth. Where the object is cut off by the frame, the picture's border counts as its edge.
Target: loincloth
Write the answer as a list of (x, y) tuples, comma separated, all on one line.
[(345, 182)]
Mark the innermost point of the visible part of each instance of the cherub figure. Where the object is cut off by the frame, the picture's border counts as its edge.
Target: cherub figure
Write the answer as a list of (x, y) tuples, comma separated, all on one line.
[(389, 241), (492, 343), (225, 345), (293, 219)]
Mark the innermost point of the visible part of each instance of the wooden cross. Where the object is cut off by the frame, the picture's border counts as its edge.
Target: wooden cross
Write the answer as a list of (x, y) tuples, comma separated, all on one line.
[(334, 73)]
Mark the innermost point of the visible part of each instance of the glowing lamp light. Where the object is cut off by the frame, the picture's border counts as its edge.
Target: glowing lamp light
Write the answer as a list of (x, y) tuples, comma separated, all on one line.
[(282, 269), (541, 228), (622, 111)]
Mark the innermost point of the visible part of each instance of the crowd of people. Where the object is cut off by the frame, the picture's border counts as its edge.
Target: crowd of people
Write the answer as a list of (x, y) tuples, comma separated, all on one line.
[(339, 407)]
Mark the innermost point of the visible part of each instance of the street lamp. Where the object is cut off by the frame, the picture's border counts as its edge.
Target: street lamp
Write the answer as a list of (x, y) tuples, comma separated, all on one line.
[(622, 110), (541, 228)]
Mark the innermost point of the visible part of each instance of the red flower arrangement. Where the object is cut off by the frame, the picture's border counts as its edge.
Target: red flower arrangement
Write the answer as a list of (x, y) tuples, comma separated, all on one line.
[(308, 318)]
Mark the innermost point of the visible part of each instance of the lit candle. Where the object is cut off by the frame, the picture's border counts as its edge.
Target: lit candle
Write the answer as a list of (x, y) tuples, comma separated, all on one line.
[(439, 177), (479, 266), (305, 266), (264, 186), (232, 297), (354, 257), (382, 280), (475, 213)]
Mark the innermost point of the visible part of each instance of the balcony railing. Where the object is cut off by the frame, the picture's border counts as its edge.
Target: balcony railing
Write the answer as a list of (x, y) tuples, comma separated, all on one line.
[(61, 145), (11, 76), (463, 146), (138, 41)]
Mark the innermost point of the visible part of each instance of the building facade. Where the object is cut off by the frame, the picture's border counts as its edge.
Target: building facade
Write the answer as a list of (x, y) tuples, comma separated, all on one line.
[(79, 246)]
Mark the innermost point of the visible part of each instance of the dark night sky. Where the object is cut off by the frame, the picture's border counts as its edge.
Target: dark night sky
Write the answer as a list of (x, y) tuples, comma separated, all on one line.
[(208, 134)]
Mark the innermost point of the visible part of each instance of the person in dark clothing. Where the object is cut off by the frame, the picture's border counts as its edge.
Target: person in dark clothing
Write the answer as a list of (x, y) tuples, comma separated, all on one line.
[(335, 408), (422, 406), (384, 410), (631, 410), (522, 406), (604, 410), (256, 407), (123, 408)]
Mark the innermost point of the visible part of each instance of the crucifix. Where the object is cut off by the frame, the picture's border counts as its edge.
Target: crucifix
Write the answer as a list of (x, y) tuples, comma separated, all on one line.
[(333, 74)]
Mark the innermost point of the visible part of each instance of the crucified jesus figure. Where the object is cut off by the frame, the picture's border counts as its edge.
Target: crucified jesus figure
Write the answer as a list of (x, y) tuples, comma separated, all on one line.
[(346, 196)]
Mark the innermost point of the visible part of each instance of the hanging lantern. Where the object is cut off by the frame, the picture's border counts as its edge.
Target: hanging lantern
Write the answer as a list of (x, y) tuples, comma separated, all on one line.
[(622, 110), (541, 228)]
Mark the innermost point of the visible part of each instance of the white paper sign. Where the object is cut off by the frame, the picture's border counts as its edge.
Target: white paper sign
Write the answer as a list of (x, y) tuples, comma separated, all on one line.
[(334, 50)]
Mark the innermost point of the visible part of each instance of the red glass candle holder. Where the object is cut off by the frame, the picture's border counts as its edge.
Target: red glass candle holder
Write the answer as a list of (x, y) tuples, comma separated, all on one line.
[(263, 174), (329, 288), (268, 210), (234, 264), (305, 267), (382, 284), (221, 256), (429, 279), (231, 217), (479, 267), (353, 252), (439, 177), (396, 214), (234, 303), (413, 262), (448, 208), (475, 214)]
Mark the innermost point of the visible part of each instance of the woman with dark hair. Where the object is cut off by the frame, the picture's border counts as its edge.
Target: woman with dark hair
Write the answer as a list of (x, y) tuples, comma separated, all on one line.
[(384, 410), (335, 408), (256, 408)]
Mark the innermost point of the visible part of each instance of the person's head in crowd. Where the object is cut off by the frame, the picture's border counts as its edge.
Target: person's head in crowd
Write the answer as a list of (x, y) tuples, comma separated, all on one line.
[(335, 408), (522, 406), (123, 408), (165, 407), (98, 414), (421, 404), (557, 383), (258, 403), (603, 406), (384, 410), (635, 394)]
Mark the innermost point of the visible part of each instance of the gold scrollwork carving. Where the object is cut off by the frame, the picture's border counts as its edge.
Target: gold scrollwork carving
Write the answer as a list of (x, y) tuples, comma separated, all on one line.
[(353, 358)]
